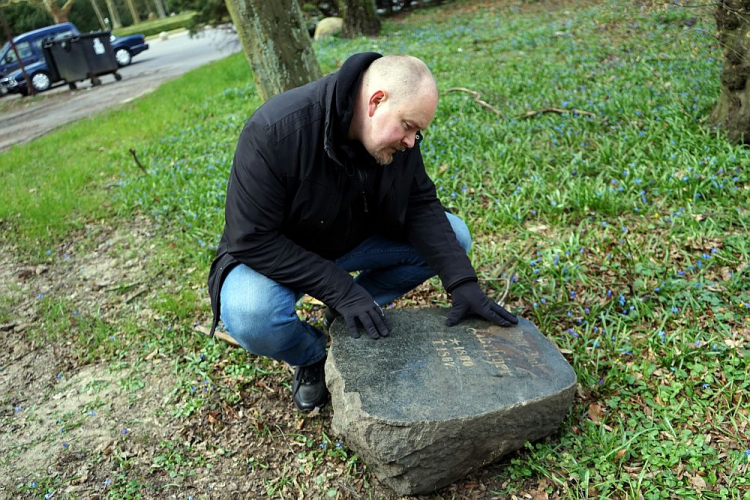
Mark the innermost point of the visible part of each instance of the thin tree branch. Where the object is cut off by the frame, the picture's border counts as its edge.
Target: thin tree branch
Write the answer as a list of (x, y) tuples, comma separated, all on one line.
[(559, 111), (477, 99), (132, 152)]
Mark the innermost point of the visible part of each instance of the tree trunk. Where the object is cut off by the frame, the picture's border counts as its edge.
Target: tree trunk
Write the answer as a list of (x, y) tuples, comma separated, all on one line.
[(160, 9), (59, 14), (112, 8), (133, 12), (732, 112), (276, 43), (98, 13), (360, 18)]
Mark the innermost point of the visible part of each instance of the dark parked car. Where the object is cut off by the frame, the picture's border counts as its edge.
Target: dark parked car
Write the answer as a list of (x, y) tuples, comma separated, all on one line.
[(29, 46)]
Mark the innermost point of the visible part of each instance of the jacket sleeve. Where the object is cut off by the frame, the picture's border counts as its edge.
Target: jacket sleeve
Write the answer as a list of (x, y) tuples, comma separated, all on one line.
[(430, 232), (255, 207)]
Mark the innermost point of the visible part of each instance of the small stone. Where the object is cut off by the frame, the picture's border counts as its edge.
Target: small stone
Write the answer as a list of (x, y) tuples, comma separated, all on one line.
[(429, 404), (328, 26)]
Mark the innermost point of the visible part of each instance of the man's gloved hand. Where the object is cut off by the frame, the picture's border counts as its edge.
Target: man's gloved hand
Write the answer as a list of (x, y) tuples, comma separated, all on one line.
[(359, 305), (469, 298)]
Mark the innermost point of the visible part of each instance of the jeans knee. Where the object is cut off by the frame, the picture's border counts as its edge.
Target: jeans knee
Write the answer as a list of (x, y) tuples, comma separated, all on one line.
[(258, 326), (463, 235)]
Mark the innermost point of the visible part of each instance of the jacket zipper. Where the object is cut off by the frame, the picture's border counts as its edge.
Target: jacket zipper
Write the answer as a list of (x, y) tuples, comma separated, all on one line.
[(363, 178)]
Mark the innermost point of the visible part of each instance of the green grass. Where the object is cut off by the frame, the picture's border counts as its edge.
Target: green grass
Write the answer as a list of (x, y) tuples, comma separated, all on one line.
[(623, 235), (156, 26), (56, 183)]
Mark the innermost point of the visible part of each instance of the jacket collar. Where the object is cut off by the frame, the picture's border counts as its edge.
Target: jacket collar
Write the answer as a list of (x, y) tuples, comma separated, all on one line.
[(339, 103)]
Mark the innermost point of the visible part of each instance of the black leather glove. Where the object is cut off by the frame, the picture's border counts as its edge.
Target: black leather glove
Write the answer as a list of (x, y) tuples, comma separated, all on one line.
[(468, 298), (358, 305)]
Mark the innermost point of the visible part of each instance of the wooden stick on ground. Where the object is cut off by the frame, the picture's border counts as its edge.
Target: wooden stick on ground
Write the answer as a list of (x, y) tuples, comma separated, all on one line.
[(559, 111), (477, 99), (218, 334), (226, 338)]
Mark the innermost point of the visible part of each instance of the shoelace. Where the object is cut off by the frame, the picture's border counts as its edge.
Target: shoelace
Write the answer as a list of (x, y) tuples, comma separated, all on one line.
[(310, 374)]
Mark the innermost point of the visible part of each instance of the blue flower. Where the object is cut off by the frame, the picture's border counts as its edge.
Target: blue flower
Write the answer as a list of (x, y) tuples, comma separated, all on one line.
[(107, 482), (675, 310), (124, 431)]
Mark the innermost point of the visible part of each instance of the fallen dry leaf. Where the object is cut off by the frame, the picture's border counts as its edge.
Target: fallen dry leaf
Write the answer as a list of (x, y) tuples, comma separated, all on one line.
[(595, 412), (698, 483)]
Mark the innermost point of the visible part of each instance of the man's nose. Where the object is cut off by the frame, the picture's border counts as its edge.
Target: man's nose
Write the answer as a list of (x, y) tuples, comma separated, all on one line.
[(409, 140)]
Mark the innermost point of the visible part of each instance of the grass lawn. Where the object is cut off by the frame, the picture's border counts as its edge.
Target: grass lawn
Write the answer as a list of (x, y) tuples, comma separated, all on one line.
[(597, 193)]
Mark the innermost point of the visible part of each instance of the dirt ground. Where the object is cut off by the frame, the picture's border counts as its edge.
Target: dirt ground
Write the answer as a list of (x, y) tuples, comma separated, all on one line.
[(95, 430)]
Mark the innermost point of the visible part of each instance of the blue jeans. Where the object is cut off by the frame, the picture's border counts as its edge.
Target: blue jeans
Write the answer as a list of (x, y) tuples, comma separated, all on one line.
[(260, 315)]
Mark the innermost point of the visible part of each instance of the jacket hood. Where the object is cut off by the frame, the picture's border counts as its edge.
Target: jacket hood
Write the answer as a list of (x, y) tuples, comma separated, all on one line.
[(340, 100)]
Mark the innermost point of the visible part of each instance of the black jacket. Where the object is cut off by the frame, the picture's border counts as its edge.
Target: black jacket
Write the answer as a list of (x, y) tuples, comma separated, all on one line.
[(301, 195)]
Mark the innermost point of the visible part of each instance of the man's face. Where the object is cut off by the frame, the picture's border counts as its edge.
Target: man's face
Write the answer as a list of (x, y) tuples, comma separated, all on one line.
[(394, 125)]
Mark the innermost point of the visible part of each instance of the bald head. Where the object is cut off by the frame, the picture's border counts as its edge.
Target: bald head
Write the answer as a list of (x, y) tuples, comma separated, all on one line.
[(397, 98), (402, 77)]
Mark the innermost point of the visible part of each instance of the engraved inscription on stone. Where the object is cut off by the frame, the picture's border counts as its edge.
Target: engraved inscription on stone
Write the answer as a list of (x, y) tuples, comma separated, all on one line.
[(451, 352), (507, 350)]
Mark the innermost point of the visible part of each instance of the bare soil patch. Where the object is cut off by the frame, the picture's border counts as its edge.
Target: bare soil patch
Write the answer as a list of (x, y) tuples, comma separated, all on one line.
[(108, 428)]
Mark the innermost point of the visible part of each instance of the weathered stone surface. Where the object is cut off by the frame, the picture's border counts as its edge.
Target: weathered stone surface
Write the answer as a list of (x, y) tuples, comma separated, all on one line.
[(429, 404)]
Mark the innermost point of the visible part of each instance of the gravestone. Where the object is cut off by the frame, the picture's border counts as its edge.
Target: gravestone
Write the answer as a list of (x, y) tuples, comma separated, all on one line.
[(428, 404)]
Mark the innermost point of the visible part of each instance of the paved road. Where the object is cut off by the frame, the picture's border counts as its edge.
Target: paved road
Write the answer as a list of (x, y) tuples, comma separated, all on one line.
[(165, 59)]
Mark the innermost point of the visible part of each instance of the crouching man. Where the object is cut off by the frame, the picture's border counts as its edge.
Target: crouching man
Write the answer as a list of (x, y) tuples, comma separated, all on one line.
[(328, 179)]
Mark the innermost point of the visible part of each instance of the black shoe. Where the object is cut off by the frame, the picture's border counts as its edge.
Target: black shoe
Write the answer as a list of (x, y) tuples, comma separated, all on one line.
[(329, 315), (309, 388)]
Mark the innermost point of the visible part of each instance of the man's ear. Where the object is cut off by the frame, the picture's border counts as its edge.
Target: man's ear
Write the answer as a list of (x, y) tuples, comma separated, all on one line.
[(377, 98)]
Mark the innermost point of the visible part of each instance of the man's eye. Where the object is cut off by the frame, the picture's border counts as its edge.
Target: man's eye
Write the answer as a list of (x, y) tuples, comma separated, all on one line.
[(406, 126)]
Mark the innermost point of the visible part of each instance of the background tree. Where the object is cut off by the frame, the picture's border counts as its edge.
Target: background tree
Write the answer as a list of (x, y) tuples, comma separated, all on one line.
[(276, 43), (133, 12), (23, 16), (114, 14), (99, 15), (732, 112), (59, 13), (160, 11), (360, 18)]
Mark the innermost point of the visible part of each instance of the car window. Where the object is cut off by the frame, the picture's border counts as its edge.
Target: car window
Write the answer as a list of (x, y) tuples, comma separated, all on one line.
[(24, 50), (63, 34)]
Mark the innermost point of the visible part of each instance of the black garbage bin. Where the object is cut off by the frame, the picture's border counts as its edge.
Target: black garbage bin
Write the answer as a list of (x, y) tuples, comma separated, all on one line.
[(69, 59), (99, 55), (84, 56), (54, 74)]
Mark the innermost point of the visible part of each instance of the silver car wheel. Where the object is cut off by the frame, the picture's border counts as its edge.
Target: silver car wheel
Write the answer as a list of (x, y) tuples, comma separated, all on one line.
[(123, 57), (40, 82)]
